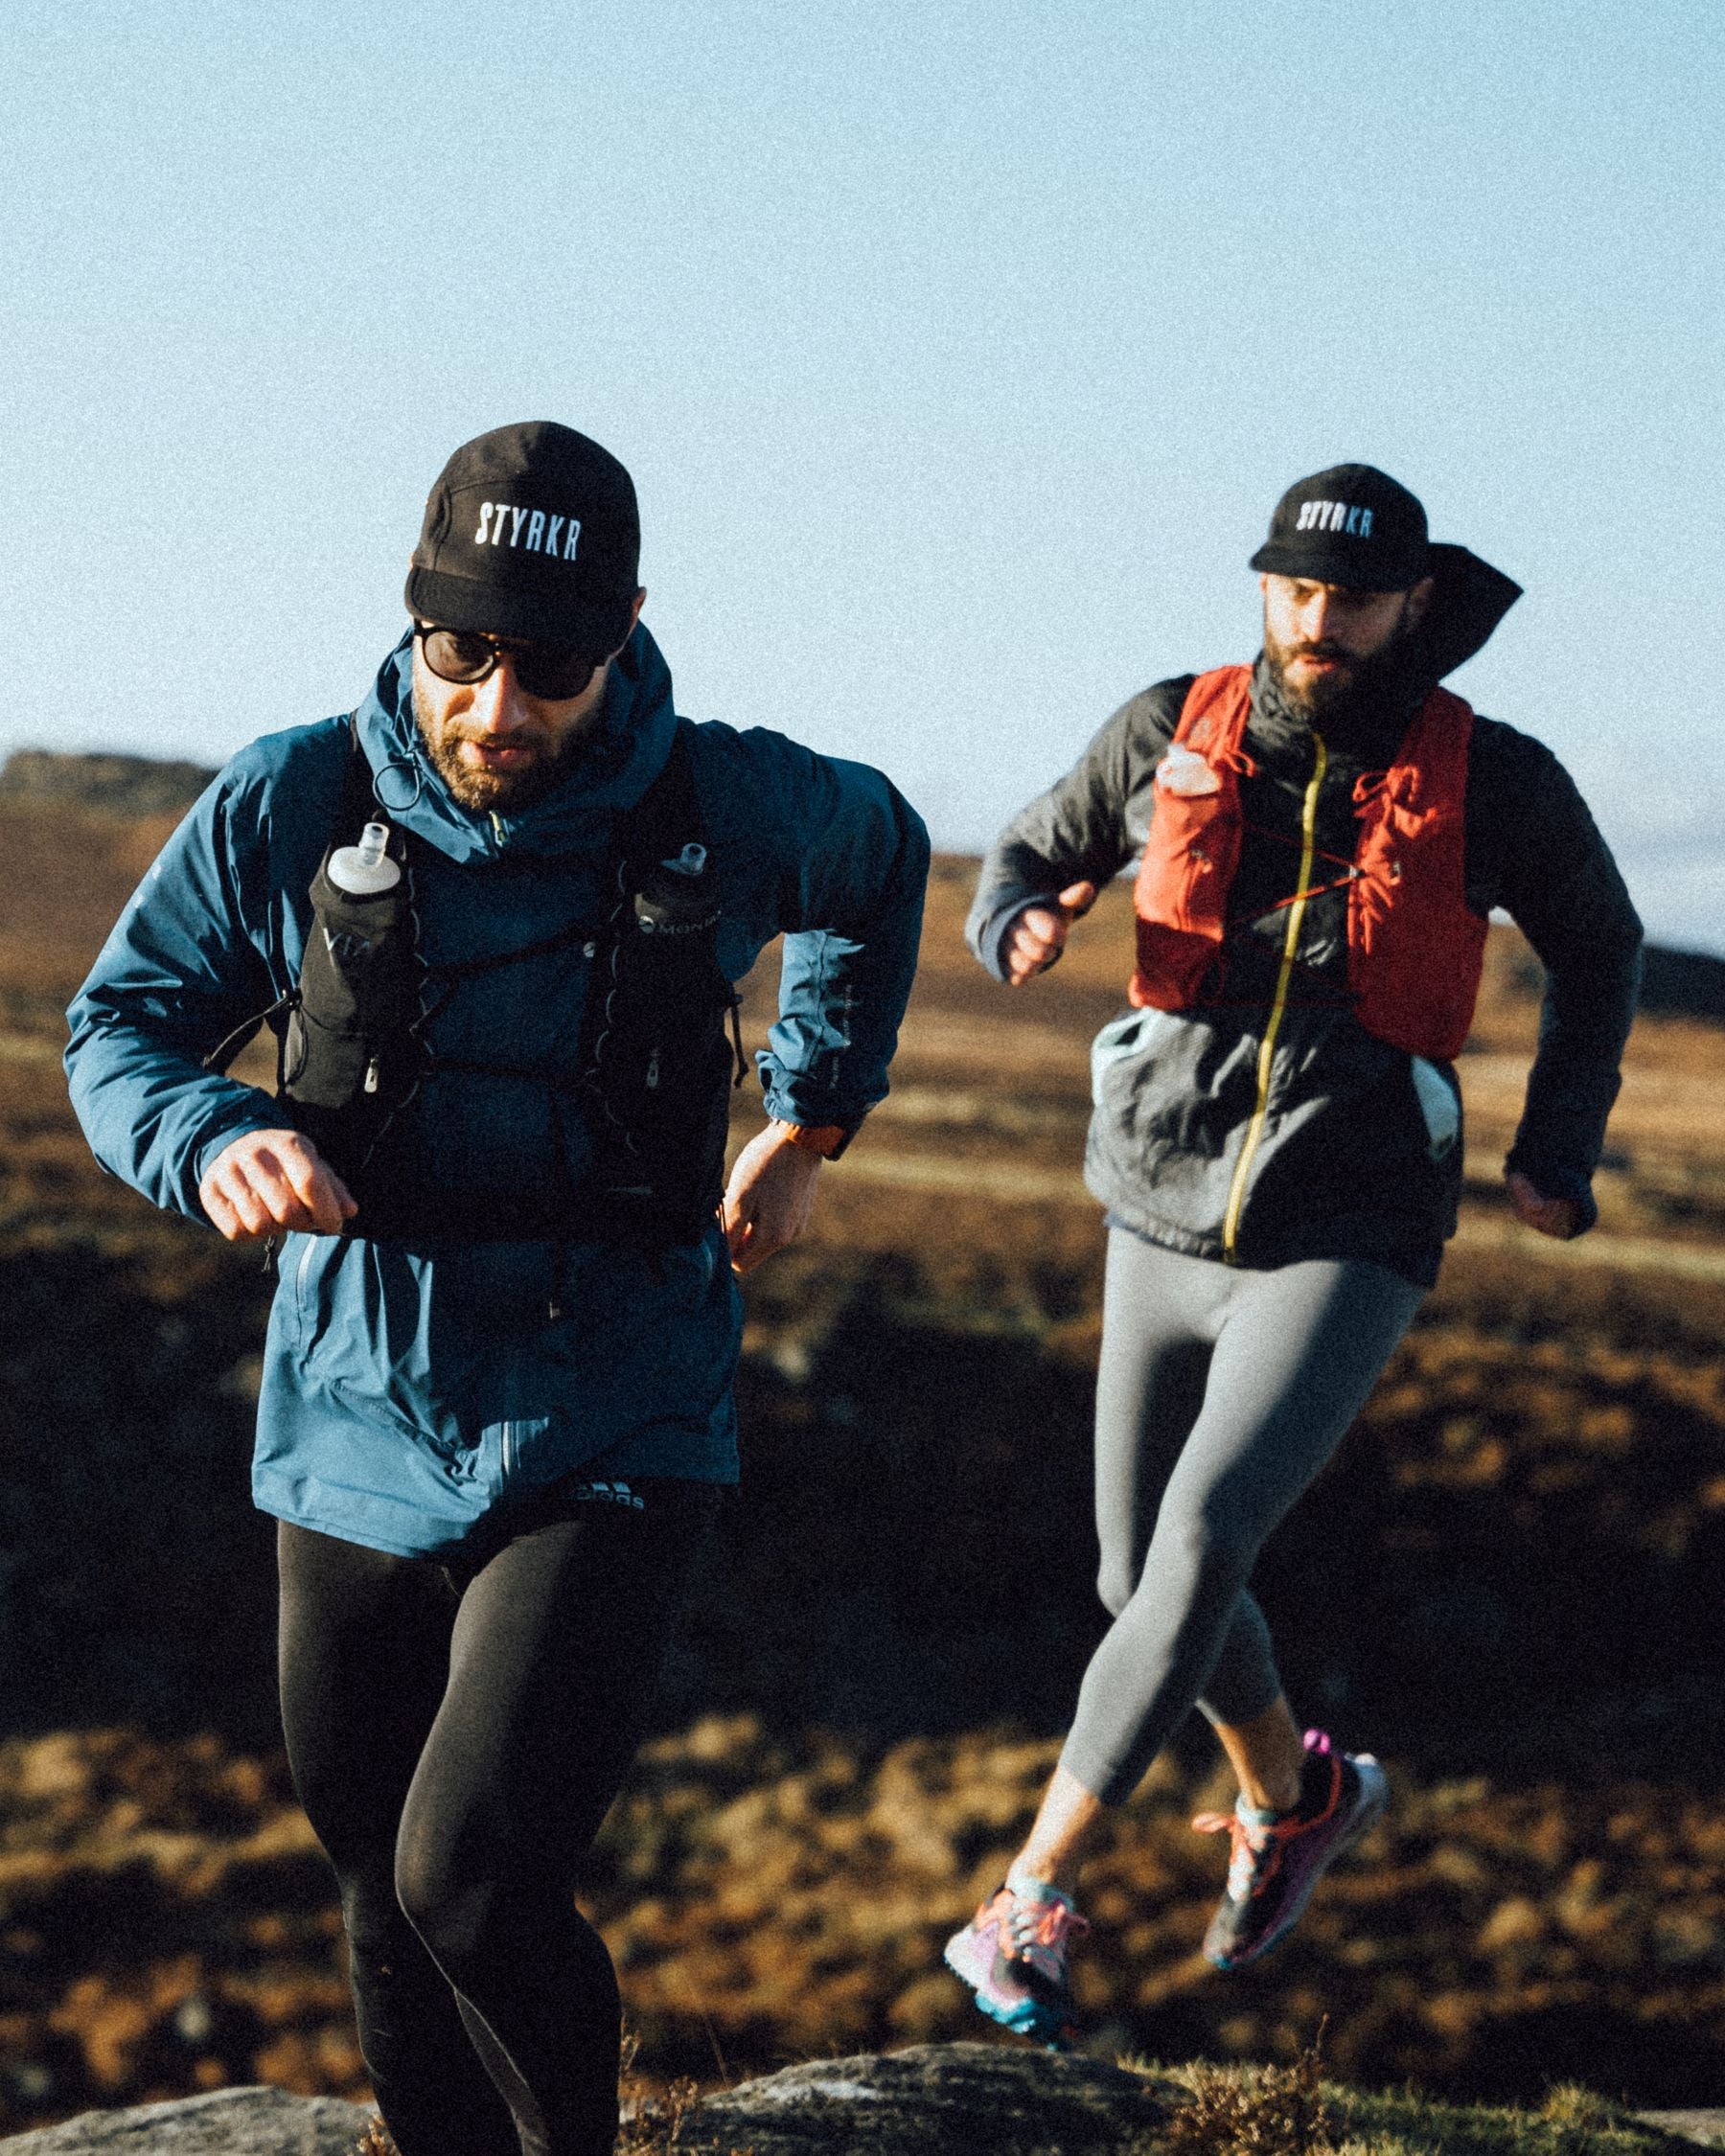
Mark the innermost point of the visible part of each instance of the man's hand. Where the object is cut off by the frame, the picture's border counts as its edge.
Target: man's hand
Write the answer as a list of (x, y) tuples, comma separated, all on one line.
[(271, 1181), (1558, 1217), (769, 1198), (1037, 936)]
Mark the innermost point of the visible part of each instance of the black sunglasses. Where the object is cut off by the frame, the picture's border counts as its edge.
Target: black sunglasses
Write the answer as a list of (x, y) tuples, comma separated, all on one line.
[(554, 672)]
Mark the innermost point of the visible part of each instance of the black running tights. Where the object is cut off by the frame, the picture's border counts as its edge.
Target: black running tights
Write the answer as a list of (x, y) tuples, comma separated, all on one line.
[(457, 1737)]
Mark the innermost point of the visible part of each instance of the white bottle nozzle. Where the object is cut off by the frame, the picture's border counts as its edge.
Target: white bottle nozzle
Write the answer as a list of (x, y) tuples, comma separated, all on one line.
[(364, 870)]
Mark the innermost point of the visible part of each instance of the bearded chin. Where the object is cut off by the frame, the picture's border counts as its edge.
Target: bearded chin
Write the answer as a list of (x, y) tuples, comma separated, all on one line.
[(1370, 684), (480, 791)]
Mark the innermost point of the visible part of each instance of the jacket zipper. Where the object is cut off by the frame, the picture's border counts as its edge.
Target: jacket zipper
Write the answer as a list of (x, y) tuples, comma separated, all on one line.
[(300, 1270), (1254, 1130)]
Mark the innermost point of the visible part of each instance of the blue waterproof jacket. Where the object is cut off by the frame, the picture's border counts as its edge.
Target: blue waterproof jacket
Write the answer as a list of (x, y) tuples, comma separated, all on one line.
[(409, 1389)]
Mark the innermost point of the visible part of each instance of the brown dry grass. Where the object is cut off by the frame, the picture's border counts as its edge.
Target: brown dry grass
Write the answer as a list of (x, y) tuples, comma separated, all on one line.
[(1274, 2111), (169, 1925)]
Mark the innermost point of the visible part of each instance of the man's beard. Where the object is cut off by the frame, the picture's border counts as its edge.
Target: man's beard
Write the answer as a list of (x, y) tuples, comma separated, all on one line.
[(481, 790), (1359, 687)]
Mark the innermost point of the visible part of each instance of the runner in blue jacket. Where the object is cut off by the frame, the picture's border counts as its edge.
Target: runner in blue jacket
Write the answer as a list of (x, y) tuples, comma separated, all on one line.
[(496, 1410)]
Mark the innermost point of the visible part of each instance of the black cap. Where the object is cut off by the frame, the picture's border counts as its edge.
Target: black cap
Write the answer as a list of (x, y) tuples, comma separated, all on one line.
[(532, 530), (1351, 524)]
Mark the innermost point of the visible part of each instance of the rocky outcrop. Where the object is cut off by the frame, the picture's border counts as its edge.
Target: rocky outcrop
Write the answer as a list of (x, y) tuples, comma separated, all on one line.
[(936, 2099), (230, 2122), (1706, 2129), (933, 2100)]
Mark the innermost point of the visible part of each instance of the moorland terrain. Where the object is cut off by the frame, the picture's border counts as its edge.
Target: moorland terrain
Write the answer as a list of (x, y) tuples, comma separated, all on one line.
[(1507, 1583)]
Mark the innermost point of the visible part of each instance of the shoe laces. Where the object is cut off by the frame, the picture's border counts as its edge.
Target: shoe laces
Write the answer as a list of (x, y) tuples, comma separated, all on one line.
[(1032, 1921), (1256, 1853), (1259, 1843)]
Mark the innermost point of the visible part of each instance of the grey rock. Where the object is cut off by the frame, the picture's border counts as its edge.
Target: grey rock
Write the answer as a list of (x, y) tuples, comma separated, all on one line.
[(251, 2122), (936, 2099), (1706, 2128)]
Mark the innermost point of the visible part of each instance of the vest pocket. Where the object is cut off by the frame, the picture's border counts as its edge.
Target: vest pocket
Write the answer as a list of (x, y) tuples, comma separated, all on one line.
[(337, 1056), (1440, 1105)]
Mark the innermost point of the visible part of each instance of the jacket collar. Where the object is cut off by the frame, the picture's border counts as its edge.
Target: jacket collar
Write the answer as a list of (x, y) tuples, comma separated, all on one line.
[(626, 755), (1366, 735)]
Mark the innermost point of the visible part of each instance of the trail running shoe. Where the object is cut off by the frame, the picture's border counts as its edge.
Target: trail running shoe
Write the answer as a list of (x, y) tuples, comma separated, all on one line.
[(1013, 1954), (1278, 1857)]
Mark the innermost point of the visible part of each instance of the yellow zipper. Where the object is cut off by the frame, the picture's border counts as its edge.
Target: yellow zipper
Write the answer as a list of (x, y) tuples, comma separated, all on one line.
[(1254, 1130)]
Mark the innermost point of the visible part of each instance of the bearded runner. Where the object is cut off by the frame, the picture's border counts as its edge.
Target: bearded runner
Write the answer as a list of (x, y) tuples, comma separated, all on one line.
[(496, 916), (1321, 836)]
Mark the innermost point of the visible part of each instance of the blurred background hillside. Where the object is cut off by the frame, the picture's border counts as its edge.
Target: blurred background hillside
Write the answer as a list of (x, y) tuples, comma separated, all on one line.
[(1506, 1585)]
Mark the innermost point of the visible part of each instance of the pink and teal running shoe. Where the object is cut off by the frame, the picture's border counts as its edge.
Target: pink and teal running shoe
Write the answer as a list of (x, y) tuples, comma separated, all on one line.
[(1278, 1857), (1013, 1954)]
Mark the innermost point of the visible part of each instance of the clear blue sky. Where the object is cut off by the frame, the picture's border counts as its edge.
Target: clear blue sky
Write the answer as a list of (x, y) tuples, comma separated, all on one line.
[(958, 353)]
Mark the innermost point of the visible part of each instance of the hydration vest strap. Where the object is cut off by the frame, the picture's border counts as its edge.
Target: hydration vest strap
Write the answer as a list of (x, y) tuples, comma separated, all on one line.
[(659, 1001), (1293, 898), (667, 817), (222, 1054), (1283, 839), (458, 970), (567, 1082), (352, 815)]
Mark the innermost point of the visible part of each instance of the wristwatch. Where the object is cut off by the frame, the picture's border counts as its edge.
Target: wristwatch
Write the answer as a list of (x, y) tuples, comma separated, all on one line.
[(828, 1139)]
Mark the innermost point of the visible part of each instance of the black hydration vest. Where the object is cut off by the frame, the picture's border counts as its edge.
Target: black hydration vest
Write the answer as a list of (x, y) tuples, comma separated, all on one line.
[(659, 1053)]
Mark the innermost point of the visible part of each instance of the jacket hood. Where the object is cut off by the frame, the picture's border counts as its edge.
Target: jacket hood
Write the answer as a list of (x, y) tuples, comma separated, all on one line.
[(625, 755), (1471, 598)]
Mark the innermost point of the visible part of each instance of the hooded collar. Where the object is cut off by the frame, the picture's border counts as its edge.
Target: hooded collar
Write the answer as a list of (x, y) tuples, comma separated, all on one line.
[(625, 755), (1468, 601)]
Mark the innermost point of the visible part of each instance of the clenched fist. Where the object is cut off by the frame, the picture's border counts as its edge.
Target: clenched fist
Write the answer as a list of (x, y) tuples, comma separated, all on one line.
[(1037, 936), (269, 1182)]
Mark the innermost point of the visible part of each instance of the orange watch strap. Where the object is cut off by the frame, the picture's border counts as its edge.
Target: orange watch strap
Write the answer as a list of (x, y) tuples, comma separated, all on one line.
[(827, 1140)]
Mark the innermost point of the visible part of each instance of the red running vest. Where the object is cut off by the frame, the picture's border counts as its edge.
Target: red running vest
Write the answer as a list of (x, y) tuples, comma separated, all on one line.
[(1415, 946)]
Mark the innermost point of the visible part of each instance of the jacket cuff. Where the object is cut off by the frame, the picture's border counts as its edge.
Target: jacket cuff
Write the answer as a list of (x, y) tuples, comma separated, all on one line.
[(212, 1148), (992, 933), (788, 1104)]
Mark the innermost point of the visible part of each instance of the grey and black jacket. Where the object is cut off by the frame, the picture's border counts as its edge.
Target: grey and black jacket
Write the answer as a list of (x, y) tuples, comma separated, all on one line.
[(1356, 1151)]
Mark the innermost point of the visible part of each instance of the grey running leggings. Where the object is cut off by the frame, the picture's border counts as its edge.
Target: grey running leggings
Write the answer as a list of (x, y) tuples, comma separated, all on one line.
[(1221, 1393)]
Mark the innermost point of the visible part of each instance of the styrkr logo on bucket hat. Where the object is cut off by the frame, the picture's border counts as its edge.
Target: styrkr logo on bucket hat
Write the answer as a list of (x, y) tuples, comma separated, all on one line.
[(1353, 525), (531, 531)]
